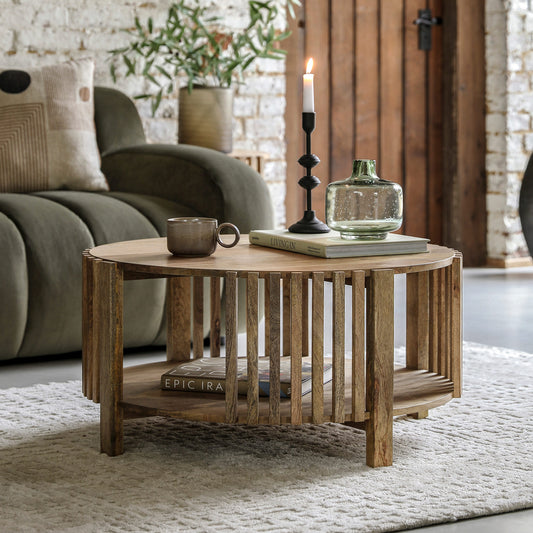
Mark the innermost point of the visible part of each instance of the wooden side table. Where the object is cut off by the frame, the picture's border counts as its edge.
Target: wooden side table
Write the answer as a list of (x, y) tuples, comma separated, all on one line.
[(253, 159), (366, 390)]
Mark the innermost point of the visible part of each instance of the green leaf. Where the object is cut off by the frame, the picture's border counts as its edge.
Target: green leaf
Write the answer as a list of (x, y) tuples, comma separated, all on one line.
[(283, 36), (156, 101), (247, 63), (163, 71), (112, 71), (130, 65), (152, 79), (147, 66), (138, 25)]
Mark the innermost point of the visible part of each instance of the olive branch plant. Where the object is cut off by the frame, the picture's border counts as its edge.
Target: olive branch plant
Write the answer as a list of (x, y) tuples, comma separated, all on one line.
[(190, 44)]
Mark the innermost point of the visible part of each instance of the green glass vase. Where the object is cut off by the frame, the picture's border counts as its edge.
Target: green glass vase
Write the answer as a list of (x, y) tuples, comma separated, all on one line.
[(364, 206)]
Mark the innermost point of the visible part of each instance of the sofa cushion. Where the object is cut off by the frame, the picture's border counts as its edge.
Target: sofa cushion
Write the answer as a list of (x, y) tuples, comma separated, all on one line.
[(44, 235), (47, 132), (13, 288)]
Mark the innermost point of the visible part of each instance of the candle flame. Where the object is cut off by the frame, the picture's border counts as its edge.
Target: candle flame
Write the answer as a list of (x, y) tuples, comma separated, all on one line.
[(309, 66)]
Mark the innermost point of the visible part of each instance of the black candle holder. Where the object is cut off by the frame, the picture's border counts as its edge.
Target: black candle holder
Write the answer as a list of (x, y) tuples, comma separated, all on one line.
[(309, 223)]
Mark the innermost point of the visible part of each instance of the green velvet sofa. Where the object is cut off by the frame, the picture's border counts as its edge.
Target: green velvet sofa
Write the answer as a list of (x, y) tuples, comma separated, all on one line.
[(43, 234)]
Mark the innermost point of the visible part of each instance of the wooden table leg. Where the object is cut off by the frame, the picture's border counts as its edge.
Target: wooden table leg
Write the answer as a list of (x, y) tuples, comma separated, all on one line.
[(108, 301), (88, 334), (456, 333), (380, 367)]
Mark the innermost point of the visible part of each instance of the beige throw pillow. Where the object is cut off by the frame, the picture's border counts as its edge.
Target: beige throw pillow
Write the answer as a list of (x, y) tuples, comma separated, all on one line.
[(47, 132)]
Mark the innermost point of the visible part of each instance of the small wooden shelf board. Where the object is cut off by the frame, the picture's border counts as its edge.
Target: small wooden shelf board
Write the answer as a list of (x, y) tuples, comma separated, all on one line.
[(415, 391), (366, 390)]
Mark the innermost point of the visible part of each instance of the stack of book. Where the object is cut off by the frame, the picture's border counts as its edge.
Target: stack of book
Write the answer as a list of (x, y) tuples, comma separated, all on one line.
[(331, 245), (209, 375)]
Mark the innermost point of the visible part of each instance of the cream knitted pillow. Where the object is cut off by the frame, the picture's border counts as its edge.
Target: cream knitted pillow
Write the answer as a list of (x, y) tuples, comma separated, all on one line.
[(47, 132)]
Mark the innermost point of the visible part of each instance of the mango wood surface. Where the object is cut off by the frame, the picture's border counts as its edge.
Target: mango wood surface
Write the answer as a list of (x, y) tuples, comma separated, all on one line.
[(380, 367), (251, 348), (414, 391), (108, 301), (365, 388), (231, 348), (317, 332), (152, 256), (273, 346)]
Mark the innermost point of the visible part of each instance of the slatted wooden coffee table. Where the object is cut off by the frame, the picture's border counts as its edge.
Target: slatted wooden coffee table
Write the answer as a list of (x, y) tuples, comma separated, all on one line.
[(366, 391)]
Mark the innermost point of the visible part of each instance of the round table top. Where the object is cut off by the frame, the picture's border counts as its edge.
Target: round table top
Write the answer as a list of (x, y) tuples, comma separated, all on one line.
[(152, 256)]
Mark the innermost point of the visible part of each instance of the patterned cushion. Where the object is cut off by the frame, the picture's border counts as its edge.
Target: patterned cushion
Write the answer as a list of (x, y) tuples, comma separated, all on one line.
[(47, 132)]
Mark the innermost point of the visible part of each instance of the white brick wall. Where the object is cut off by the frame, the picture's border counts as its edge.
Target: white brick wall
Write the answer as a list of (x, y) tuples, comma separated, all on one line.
[(37, 32), (509, 124)]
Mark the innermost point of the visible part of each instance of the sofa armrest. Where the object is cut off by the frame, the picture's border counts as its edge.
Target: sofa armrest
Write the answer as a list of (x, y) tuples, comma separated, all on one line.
[(211, 183)]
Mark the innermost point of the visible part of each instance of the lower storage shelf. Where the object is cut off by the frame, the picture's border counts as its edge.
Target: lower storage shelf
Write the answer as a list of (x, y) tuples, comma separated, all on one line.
[(415, 391)]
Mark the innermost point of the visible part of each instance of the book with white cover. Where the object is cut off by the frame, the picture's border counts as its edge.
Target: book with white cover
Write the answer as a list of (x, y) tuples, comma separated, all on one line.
[(331, 245)]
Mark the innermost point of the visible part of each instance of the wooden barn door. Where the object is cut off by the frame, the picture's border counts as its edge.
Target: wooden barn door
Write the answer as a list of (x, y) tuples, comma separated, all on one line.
[(377, 96)]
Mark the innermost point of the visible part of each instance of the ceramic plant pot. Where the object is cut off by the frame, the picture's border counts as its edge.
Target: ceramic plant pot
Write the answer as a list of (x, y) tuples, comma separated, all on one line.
[(205, 117)]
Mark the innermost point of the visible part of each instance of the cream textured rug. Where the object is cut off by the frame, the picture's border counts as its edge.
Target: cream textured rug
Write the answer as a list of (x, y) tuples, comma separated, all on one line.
[(471, 457)]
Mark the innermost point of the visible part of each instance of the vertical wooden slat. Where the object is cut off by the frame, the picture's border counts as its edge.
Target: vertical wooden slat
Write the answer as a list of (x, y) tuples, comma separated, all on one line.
[(305, 317), (231, 347), (435, 140), (267, 314), (317, 346), (198, 317), (380, 367), (442, 322), (415, 126), (338, 346), (109, 316), (95, 360), (417, 317), (214, 333), (88, 336), (456, 324), (178, 319), (390, 90), (317, 39), (296, 347), (358, 345), (286, 316), (366, 79), (434, 321), (448, 320), (251, 348), (273, 284), (342, 76)]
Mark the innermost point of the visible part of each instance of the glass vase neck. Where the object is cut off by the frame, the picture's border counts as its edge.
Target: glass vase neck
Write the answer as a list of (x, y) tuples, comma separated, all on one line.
[(364, 168)]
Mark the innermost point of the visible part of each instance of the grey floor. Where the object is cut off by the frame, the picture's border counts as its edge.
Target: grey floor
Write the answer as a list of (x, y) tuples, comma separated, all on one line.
[(498, 310)]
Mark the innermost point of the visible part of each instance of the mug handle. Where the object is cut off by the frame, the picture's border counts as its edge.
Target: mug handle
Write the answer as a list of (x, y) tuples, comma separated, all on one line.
[(234, 229)]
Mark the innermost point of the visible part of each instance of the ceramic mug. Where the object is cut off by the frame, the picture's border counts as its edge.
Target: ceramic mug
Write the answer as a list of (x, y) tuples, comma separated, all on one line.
[(197, 236)]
